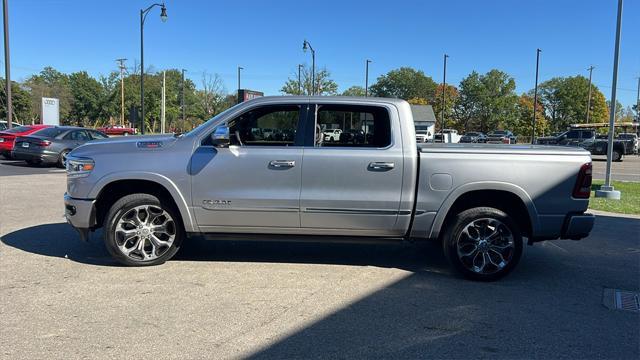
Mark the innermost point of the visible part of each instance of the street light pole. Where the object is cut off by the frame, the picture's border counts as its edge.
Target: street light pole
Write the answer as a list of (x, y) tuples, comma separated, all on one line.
[(589, 97), (239, 68), (535, 98), (366, 79), (182, 105), (606, 190), (444, 86), (143, 16), (306, 45), (299, 80), (7, 65)]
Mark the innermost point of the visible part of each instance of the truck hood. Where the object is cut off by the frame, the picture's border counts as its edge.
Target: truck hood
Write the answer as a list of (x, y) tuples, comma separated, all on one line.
[(126, 144)]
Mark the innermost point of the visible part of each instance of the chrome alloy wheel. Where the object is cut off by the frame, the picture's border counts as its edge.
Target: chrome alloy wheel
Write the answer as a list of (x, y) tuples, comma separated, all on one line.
[(145, 232), (485, 246)]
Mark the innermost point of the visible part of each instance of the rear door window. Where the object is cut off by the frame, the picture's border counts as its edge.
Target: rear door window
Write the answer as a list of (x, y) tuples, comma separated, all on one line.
[(352, 126)]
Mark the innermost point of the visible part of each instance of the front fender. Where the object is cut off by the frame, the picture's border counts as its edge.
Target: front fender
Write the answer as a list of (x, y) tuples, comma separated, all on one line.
[(167, 183)]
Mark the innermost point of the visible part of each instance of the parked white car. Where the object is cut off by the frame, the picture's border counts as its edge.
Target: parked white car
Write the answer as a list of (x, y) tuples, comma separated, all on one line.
[(447, 136), (332, 134)]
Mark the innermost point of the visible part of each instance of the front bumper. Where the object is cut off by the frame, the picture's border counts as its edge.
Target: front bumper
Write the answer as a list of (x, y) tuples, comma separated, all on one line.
[(577, 226), (81, 214)]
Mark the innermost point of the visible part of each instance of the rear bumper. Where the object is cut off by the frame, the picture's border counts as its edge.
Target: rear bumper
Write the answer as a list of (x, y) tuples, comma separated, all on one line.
[(34, 156), (577, 226), (81, 214)]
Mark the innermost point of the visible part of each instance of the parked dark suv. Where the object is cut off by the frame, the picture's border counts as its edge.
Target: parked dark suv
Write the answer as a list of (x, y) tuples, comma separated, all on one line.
[(473, 137)]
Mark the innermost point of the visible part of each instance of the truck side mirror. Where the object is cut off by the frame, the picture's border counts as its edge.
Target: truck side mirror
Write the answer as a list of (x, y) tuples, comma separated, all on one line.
[(220, 136)]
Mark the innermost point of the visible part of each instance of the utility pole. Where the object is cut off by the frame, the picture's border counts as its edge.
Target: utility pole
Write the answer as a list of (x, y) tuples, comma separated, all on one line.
[(163, 107), (7, 65), (444, 86), (638, 102), (589, 98), (239, 68), (299, 80), (535, 98), (607, 190), (366, 79), (122, 68), (182, 106)]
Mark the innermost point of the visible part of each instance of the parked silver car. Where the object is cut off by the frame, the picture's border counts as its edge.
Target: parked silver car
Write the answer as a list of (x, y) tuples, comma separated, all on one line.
[(480, 201)]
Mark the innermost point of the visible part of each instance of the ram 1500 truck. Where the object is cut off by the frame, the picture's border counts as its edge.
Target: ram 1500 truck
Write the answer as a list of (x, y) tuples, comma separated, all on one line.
[(222, 181)]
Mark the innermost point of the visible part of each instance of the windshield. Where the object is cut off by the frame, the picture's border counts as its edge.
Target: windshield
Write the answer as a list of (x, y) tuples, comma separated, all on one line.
[(422, 129), (205, 124), (18, 129), (499, 132), (471, 134)]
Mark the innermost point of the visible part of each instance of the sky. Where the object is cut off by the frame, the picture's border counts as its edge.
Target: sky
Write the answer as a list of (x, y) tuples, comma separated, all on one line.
[(265, 38)]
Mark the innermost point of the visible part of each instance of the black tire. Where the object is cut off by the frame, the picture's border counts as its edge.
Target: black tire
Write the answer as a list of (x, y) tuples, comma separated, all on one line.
[(62, 158), (616, 156), (454, 234), (124, 206)]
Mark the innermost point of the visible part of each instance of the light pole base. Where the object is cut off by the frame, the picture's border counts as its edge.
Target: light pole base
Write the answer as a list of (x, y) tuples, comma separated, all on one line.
[(608, 192)]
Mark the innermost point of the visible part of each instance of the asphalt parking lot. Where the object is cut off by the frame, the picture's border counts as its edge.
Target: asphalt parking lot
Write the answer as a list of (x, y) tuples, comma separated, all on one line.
[(62, 298)]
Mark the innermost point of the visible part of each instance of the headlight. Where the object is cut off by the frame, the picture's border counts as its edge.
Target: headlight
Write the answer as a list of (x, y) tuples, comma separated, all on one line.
[(79, 167), (1, 139)]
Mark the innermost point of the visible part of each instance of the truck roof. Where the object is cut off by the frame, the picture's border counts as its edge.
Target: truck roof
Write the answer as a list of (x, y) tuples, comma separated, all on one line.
[(346, 99)]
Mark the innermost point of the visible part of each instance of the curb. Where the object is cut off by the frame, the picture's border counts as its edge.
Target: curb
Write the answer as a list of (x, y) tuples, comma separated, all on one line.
[(606, 213)]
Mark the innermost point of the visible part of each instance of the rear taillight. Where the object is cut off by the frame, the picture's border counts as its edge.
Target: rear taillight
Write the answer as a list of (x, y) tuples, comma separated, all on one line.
[(506, 141), (44, 143), (583, 183)]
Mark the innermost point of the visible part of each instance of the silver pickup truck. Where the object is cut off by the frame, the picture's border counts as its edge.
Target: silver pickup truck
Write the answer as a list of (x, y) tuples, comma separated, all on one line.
[(231, 178)]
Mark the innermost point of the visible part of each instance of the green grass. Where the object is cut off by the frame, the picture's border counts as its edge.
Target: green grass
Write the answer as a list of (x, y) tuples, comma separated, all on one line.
[(629, 202)]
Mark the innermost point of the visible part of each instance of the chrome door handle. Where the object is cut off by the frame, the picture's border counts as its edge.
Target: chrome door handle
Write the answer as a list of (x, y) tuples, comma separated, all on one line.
[(381, 166), (282, 164)]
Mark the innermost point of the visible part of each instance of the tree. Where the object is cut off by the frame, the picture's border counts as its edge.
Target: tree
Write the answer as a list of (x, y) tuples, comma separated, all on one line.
[(212, 96), (20, 100), (324, 84), (49, 83), (85, 98), (565, 100), (523, 123), (354, 91), (405, 83), (451, 97), (486, 102)]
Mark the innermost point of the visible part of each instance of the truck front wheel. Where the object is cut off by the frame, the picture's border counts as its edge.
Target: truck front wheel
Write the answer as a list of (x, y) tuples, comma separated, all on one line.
[(483, 243), (143, 230)]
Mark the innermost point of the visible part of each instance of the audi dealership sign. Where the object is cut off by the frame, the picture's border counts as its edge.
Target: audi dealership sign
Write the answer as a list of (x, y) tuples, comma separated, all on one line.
[(50, 111)]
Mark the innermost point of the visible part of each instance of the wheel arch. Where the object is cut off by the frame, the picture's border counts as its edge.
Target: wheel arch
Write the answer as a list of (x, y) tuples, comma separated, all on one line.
[(111, 188), (507, 197)]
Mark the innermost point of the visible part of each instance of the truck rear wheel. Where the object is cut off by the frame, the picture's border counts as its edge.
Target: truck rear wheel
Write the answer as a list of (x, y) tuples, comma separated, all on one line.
[(483, 243), (143, 230)]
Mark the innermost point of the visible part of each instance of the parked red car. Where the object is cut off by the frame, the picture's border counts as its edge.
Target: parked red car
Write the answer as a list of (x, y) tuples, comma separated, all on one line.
[(118, 130), (8, 137)]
